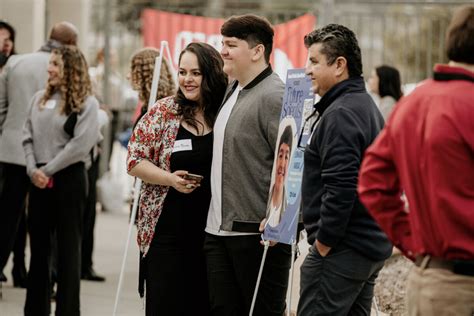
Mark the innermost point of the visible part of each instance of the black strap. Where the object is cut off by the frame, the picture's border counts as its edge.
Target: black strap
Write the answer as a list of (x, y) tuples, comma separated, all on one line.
[(70, 124)]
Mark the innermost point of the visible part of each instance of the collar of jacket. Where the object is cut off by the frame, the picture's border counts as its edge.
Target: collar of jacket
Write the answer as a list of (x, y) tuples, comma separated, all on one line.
[(349, 85), (447, 73), (50, 45), (265, 73)]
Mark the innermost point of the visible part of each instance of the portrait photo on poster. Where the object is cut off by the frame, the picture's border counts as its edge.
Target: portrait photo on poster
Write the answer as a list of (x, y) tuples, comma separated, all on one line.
[(277, 200)]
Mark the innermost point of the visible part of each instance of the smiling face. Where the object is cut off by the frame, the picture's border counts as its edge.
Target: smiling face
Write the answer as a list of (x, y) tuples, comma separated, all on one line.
[(190, 77), (282, 161), (55, 70), (237, 56), (323, 76)]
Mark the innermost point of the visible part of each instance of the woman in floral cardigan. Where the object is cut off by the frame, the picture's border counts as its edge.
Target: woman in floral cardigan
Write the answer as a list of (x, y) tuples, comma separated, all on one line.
[(173, 139)]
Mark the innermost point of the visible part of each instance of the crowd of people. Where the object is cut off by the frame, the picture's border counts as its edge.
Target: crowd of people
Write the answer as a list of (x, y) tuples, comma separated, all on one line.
[(397, 174)]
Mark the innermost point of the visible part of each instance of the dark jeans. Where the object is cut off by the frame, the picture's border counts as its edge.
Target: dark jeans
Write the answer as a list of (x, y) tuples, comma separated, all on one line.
[(232, 268), (89, 216), (342, 283), (59, 209), (14, 184)]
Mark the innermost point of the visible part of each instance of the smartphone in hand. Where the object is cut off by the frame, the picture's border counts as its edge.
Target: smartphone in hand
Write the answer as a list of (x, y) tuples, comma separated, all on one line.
[(194, 177)]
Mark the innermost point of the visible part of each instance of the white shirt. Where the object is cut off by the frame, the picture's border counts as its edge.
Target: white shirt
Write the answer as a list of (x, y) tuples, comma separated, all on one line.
[(214, 217)]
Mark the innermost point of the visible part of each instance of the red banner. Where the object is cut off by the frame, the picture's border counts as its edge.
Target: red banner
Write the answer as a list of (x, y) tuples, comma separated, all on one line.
[(180, 29)]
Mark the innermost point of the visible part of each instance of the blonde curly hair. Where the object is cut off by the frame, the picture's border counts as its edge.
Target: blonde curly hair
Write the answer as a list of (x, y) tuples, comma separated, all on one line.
[(75, 85), (141, 74)]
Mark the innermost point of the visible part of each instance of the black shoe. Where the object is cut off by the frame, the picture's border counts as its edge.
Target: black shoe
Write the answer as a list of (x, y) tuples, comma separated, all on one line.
[(19, 277), (91, 275)]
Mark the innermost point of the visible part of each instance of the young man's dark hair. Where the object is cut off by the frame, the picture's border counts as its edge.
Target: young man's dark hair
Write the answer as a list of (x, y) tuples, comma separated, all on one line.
[(286, 137), (460, 36), (251, 28), (337, 40)]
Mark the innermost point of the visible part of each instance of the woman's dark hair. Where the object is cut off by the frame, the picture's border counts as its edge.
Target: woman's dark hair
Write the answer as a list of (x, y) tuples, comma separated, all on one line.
[(213, 85), (389, 82), (460, 36), (11, 30), (286, 137)]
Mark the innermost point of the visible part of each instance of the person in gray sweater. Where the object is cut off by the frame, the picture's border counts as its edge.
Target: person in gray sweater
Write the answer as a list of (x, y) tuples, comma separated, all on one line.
[(21, 77), (60, 131)]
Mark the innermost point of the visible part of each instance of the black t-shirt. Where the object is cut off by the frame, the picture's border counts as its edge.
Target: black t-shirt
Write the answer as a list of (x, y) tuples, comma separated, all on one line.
[(184, 216)]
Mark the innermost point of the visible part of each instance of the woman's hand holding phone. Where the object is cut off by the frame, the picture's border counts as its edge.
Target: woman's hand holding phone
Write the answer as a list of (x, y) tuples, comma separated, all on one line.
[(182, 182)]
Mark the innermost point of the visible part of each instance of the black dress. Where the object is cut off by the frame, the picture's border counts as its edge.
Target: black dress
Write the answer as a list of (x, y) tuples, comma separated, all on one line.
[(176, 282)]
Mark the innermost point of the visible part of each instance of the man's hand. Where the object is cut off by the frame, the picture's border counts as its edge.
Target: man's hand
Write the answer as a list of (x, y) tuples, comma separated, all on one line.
[(322, 248), (262, 228), (39, 179)]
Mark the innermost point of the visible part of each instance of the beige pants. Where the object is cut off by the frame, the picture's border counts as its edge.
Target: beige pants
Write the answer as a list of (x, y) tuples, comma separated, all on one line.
[(439, 292)]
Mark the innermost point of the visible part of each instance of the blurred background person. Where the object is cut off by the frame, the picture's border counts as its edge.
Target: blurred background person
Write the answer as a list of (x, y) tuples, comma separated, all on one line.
[(175, 137), (7, 42), (87, 266), (115, 103), (385, 83), (20, 79), (141, 77), (61, 129)]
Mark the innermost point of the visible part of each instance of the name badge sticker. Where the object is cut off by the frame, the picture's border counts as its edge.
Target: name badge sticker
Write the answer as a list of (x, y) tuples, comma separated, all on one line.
[(50, 104), (182, 145)]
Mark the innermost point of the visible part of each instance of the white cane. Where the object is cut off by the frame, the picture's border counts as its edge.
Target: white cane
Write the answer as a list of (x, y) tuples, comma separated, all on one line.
[(138, 183), (266, 243), (290, 281)]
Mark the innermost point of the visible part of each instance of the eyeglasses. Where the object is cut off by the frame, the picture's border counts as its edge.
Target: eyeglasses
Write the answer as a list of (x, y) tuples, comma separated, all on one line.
[(307, 129)]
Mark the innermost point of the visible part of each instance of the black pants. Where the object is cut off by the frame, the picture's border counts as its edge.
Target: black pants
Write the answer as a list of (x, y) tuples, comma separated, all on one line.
[(232, 268), (342, 283), (58, 209), (20, 244), (14, 184), (176, 282), (89, 216)]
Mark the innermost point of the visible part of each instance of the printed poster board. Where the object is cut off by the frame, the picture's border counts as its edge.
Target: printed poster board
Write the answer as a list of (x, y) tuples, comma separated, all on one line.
[(285, 188)]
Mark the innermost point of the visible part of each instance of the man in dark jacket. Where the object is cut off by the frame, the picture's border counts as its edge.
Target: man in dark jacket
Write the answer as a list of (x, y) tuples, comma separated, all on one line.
[(348, 249)]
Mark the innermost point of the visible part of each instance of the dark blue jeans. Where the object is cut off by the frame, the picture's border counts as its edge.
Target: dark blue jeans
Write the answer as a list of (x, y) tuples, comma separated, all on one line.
[(342, 283)]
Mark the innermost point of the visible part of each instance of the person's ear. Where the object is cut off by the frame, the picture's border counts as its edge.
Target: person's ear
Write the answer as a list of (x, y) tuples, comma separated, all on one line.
[(258, 52), (341, 65)]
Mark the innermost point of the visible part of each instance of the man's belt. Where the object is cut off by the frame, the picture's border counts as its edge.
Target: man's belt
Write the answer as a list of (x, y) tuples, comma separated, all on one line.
[(463, 267)]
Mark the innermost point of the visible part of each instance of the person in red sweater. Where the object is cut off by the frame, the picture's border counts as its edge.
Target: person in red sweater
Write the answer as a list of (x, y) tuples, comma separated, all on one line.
[(426, 151)]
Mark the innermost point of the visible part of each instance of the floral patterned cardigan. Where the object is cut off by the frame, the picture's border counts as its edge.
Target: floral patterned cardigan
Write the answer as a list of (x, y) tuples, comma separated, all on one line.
[(153, 140)]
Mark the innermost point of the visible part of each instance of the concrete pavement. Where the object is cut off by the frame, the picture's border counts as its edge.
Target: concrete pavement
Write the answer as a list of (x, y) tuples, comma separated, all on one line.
[(97, 298)]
